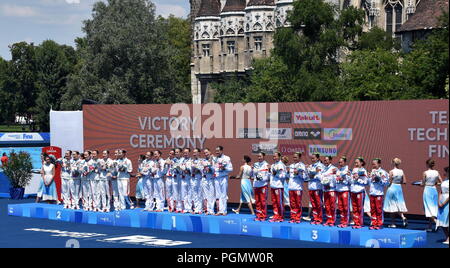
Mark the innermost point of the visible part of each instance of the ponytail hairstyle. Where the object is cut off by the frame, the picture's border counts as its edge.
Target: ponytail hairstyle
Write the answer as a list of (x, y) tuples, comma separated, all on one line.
[(285, 159), (397, 161), (431, 163), (378, 160), (361, 159), (247, 159), (344, 158), (298, 154)]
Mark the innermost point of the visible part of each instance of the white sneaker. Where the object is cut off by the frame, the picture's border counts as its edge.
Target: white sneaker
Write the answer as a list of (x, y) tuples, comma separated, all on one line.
[(306, 218), (235, 211), (445, 243), (392, 226)]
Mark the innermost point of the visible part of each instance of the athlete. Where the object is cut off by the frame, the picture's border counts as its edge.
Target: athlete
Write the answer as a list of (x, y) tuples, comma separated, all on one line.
[(75, 186), (168, 167), (297, 173), (378, 180), (66, 179), (208, 181), (359, 181), (178, 177), (94, 178), (124, 169), (196, 180), (343, 191), (158, 172), (329, 188), (148, 182), (103, 189), (315, 188), (85, 182), (222, 168), (278, 175), (185, 196), (261, 178)]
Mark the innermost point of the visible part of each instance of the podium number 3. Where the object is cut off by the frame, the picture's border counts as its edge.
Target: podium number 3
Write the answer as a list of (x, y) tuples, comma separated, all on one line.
[(315, 235)]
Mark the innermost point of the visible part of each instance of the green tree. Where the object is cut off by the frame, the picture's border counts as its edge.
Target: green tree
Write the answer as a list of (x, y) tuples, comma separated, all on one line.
[(125, 57), (377, 38), (231, 90), (426, 67), (6, 107), (53, 65), (21, 79), (178, 32), (371, 75)]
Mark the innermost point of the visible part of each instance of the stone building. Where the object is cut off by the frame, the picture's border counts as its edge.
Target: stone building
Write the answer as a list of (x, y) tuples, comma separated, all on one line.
[(229, 34)]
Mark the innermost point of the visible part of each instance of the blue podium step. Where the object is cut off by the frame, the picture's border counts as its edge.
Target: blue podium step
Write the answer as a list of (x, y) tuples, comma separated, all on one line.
[(230, 224)]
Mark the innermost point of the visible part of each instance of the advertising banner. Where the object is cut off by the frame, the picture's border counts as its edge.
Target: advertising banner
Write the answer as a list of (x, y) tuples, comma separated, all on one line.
[(413, 131)]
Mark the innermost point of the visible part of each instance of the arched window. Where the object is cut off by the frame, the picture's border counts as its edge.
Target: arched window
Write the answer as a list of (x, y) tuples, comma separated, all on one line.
[(394, 15)]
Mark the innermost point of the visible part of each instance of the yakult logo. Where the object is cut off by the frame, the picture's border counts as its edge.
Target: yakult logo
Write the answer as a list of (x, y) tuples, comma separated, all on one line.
[(308, 118)]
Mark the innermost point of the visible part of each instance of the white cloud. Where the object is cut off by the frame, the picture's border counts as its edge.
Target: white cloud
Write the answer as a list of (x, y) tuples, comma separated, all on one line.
[(72, 1), (166, 10), (18, 11)]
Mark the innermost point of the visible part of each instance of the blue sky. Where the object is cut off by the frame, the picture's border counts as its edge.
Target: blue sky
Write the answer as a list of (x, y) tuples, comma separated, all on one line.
[(59, 20)]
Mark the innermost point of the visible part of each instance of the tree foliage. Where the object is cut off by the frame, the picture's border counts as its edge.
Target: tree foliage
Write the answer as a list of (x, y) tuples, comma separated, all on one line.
[(18, 169), (130, 56)]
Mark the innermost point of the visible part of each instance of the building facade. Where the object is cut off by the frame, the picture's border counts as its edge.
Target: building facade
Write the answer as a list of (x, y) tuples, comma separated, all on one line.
[(229, 34)]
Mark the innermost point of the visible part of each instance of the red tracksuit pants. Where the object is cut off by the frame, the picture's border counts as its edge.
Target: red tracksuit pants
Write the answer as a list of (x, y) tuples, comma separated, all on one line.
[(358, 208), (330, 207), (261, 202), (316, 203), (277, 203), (295, 200), (376, 210), (343, 204)]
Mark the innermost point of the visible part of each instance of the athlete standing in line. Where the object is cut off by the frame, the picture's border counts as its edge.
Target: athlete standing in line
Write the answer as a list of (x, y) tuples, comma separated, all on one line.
[(359, 181), (208, 182), (222, 168), (147, 181), (343, 191), (94, 178), (178, 177), (115, 182), (186, 164), (168, 165), (278, 175), (378, 179), (158, 180), (103, 188), (140, 187), (85, 183), (261, 178), (329, 188), (66, 179), (124, 168), (75, 186), (297, 173), (196, 180), (315, 188)]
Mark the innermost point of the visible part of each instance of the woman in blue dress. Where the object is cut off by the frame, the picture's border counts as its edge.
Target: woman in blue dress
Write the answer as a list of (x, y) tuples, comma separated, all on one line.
[(140, 184), (442, 220), (48, 191), (431, 178), (245, 175), (394, 203)]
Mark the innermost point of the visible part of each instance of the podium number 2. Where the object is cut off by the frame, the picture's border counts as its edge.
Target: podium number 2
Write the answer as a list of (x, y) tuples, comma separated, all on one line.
[(315, 235), (58, 215), (174, 222)]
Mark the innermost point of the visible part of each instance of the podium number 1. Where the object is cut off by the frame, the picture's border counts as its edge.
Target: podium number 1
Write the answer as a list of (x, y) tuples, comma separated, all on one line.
[(174, 222)]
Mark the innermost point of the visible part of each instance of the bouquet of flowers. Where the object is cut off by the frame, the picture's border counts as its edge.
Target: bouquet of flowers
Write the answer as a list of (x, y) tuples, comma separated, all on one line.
[(326, 180), (376, 176), (75, 172), (114, 171)]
